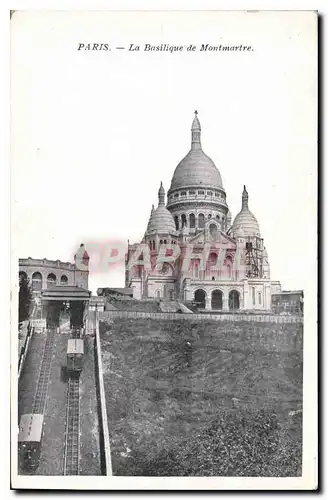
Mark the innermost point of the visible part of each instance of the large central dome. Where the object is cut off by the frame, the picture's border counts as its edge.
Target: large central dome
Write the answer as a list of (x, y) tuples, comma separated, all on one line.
[(196, 168)]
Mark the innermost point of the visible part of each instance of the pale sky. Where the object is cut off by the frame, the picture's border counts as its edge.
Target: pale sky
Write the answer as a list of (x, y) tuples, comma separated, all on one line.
[(94, 133)]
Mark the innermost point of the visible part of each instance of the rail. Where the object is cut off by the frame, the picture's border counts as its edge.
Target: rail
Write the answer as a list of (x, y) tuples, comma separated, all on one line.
[(72, 437), (44, 373)]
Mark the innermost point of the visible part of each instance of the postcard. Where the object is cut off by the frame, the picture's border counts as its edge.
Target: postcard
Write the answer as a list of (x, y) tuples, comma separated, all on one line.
[(164, 243)]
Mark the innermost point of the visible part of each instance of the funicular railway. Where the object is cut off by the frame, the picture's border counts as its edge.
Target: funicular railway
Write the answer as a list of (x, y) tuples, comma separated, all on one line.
[(75, 351), (44, 375), (31, 429)]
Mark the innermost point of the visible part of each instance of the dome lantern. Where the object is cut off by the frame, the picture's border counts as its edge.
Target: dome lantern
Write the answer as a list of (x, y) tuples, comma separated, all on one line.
[(161, 195), (195, 133), (244, 199)]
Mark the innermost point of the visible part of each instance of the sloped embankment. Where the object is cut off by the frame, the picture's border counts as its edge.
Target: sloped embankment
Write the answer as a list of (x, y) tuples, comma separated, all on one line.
[(202, 398)]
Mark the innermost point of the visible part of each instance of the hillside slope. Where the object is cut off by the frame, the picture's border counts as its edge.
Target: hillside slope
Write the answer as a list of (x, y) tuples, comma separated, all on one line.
[(194, 397)]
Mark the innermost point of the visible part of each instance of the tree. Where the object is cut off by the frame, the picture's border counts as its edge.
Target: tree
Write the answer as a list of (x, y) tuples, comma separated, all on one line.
[(24, 299)]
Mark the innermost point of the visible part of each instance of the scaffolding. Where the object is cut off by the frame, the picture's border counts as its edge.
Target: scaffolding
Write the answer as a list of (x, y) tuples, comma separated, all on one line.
[(253, 257)]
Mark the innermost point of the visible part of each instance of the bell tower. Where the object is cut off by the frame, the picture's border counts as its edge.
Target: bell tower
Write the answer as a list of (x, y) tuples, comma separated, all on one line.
[(81, 274)]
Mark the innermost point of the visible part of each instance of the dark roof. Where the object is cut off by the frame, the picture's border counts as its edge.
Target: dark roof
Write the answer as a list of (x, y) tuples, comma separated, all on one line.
[(65, 292), (67, 288), (122, 291)]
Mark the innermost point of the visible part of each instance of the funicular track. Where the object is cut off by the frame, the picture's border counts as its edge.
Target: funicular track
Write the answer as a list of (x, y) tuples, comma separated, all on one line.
[(72, 438), (44, 374), (72, 434)]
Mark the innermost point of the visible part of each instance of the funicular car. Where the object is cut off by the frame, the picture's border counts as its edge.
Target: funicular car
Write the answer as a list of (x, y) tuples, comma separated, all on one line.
[(75, 352), (29, 440)]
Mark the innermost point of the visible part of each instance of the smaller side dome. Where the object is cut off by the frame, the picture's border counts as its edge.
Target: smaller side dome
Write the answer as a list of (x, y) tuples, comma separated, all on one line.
[(246, 219), (161, 219), (239, 232)]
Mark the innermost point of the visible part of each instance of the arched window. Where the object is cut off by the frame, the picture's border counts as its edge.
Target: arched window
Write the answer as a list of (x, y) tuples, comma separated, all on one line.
[(176, 220), (212, 261), (196, 268), (167, 269), (161, 242), (63, 280), (213, 230), (36, 281), (51, 280), (234, 300), (260, 298), (200, 298), (137, 271), (216, 302), (253, 295), (217, 217), (201, 221), (228, 263), (158, 294), (183, 220), (192, 220), (209, 216)]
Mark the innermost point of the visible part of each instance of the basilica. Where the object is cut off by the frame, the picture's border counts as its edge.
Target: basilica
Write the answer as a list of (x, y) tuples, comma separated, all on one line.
[(192, 250)]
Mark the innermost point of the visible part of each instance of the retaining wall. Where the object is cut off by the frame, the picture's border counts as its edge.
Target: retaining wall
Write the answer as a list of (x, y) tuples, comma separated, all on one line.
[(252, 318), (24, 349), (103, 412)]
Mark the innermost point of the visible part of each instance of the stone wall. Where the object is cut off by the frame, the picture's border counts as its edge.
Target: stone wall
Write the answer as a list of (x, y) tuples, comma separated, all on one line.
[(253, 318), (103, 412)]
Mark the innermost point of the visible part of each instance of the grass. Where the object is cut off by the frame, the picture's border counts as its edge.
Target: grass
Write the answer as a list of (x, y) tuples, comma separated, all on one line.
[(192, 397)]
